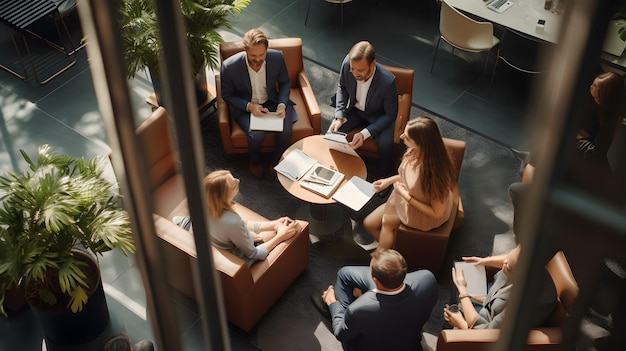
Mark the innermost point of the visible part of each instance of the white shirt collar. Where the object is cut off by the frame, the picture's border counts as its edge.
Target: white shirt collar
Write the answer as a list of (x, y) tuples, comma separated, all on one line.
[(395, 292)]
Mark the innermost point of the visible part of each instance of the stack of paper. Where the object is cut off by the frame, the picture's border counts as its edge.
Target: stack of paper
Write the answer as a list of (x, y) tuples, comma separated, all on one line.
[(295, 164), (321, 180), (355, 193)]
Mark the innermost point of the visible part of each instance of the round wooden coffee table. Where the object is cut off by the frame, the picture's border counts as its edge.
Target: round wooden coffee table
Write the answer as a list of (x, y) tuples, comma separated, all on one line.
[(322, 222)]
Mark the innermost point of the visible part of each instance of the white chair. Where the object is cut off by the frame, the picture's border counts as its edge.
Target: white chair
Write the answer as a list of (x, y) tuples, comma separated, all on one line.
[(521, 52), (464, 33)]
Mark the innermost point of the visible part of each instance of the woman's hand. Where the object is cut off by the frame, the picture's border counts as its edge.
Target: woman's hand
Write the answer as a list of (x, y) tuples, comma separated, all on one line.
[(478, 261), (458, 277), (380, 185), (455, 319), (278, 222), (287, 229), (402, 190)]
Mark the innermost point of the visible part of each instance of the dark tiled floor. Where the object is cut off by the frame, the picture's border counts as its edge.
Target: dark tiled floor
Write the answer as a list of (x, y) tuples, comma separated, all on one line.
[(64, 113)]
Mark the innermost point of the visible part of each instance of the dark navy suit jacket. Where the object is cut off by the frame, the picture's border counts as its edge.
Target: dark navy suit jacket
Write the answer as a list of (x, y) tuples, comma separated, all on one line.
[(376, 321), (237, 88), (381, 106)]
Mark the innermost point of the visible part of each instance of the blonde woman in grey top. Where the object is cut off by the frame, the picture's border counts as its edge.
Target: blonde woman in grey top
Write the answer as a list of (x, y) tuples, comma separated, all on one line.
[(252, 241)]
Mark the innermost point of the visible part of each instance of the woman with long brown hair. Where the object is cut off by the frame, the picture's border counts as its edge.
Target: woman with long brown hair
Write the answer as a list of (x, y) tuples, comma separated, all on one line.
[(422, 196), (609, 109)]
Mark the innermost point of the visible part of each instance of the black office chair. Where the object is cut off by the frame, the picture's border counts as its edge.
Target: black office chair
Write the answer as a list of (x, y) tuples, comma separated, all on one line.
[(521, 52)]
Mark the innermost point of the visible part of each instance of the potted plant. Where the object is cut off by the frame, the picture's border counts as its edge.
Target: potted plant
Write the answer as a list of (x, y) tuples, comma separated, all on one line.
[(141, 43), (54, 218)]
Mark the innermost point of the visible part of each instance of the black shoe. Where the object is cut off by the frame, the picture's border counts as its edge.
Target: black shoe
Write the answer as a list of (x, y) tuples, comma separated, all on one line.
[(256, 169), (321, 306)]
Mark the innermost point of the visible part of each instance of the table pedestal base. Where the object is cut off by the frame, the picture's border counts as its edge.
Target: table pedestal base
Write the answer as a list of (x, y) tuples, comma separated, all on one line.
[(321, 221)]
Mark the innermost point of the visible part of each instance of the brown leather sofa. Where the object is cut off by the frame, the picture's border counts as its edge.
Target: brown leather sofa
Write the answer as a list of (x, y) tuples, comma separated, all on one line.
[(248, 292), (545, 338), (309, 115), (427, 249)]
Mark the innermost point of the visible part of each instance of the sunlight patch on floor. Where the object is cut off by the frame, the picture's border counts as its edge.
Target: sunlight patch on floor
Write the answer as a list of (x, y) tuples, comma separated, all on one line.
[(124, 300)]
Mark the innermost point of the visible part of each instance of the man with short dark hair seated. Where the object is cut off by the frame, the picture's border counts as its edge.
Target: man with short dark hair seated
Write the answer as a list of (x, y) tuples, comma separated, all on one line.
[(379, 307)]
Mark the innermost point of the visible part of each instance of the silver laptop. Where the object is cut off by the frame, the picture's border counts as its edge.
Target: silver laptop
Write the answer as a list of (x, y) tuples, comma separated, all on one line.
[(612, 43)]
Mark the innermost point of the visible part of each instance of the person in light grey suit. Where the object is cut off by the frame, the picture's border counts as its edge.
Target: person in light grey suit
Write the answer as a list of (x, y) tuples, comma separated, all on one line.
[(379, 307), (257, 81), (367, 96), (492, 312)]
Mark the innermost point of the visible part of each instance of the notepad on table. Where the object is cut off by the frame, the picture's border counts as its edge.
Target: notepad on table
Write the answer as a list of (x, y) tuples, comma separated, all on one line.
[(476, 277), (355, 193), (268, 122)]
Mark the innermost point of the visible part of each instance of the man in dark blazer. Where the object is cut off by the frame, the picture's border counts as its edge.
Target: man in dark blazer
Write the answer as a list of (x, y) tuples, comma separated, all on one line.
[(257, 81), (367, 96), (380, 307)]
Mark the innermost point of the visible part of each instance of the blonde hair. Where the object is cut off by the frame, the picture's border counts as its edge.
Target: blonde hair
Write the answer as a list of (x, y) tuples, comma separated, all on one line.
[(217, 189), (436, 173)]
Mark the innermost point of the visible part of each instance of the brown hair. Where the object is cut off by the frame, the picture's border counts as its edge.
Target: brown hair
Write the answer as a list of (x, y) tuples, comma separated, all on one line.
[(254, 37), (388, 267), (217, 189), (612, 107), (611, 90), (436, 173), (362, 49)]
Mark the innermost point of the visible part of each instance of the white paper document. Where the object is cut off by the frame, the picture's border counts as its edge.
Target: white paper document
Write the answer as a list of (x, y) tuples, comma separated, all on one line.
[(476, 277), (295, 164), (355, 193), (268, 122), (338, 141)]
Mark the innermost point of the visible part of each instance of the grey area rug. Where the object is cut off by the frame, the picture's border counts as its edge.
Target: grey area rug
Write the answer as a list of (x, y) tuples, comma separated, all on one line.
[(293, 323)]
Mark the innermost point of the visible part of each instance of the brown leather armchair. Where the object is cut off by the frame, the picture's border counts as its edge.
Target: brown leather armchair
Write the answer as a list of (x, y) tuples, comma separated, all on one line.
[(427, 249), (309, 115), (248, 292), (404, 82), (545, 338)]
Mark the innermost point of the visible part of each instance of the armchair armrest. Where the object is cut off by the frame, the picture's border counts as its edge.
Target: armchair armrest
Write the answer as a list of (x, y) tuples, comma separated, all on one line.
[(223, 118), (483, 339), (311, 102), (224, 261), (399, 126)]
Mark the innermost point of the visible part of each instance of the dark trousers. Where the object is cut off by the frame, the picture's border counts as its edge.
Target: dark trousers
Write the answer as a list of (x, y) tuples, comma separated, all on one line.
[(384, 142), (282, 140)]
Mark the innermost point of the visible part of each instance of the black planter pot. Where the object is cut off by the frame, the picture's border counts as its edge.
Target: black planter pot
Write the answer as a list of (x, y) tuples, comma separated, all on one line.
[(14, 300), (63, 327)]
